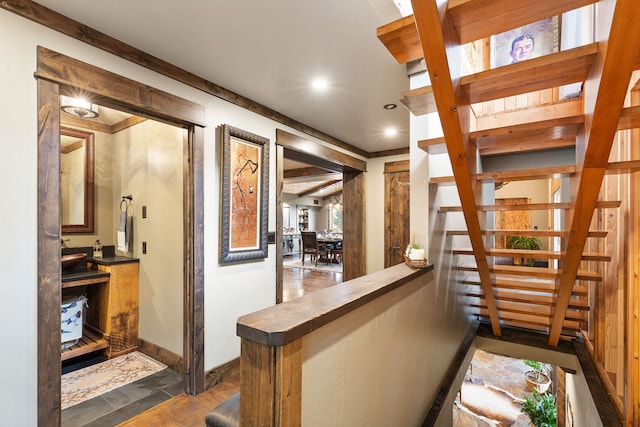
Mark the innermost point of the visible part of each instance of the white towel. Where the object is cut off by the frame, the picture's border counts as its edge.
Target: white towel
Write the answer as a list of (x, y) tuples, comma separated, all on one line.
[(123, 241)]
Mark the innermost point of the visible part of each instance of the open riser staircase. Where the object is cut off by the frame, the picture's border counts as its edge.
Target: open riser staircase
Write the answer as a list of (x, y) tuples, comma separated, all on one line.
[(517, 112)]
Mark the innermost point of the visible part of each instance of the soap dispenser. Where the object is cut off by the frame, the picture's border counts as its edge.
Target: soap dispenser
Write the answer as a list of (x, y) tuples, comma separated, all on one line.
[(97, 249)]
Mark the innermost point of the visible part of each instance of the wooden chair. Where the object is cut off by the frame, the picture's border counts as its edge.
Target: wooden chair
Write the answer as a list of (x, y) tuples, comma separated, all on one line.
[(336, 253), (311, 247)]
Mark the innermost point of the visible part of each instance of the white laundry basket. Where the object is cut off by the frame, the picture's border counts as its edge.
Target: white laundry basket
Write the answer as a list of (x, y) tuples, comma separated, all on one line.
[(71, 316)]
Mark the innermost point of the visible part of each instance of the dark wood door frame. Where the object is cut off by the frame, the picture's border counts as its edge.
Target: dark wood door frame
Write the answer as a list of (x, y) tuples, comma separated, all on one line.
[(58, 74), (353, 172)]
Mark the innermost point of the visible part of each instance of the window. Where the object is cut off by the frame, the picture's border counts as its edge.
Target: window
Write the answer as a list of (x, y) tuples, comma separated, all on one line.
[(335, 217)]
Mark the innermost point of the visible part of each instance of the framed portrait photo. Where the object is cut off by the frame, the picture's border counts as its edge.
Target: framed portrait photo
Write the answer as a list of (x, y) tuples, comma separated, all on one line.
[(244, 206), (526, 42)]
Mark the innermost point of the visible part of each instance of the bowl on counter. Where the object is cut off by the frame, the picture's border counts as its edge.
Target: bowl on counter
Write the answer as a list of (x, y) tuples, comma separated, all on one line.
[(71, 260)]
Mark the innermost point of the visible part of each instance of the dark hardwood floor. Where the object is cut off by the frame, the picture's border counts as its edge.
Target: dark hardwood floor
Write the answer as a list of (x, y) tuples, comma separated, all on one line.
[(189, 411)]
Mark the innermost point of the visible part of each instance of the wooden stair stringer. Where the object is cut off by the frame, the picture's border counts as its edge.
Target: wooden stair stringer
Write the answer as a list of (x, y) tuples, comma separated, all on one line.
[(438, 40)]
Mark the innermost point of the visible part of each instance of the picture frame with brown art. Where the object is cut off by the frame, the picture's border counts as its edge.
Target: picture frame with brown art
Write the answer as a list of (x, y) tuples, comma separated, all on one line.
[(244, 205)]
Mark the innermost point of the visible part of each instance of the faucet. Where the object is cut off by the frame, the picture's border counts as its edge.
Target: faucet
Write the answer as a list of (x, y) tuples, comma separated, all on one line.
[(63, 244)]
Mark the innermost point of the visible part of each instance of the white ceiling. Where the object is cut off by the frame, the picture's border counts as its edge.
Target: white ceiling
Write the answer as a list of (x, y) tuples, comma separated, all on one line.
[(268, 51)]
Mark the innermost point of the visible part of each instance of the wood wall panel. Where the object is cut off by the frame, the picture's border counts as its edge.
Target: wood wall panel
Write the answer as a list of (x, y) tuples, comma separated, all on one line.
[(354, 225)]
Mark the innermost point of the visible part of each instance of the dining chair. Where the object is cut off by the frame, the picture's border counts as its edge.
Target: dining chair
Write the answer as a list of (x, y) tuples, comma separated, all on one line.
[(336, 253), (311, 247)]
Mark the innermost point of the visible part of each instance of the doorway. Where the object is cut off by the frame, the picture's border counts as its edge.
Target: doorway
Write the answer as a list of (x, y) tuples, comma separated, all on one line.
[(53, 80), (299, 149)]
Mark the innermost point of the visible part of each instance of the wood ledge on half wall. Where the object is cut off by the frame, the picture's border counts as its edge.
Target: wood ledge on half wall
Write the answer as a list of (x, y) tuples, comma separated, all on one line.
[(287, 322)]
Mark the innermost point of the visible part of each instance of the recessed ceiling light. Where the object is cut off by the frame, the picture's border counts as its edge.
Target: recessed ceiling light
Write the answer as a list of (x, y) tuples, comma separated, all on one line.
[(320, 84), (389, 106), (390, 131)]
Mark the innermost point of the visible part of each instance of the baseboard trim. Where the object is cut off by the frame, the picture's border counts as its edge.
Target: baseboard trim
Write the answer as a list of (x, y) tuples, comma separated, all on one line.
[(172, 360), (219, 374)]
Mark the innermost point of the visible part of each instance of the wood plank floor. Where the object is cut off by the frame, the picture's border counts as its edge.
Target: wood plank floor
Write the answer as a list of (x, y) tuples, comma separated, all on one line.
[(189, 411)]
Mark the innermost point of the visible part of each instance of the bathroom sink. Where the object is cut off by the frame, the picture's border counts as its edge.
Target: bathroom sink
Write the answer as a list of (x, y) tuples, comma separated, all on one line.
[(71, 260)]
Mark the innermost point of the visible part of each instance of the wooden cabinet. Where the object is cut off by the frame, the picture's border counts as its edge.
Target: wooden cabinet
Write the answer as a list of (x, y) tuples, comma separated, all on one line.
[(111, 320), (119, 303)]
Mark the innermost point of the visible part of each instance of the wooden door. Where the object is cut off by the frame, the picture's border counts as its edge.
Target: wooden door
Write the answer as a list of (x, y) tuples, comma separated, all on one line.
[(396, 211)]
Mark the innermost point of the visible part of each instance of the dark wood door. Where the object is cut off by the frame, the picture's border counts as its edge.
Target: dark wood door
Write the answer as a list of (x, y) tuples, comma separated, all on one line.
[(396, 211)]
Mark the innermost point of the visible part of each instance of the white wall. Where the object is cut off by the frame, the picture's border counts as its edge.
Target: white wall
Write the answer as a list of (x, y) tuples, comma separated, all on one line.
[(230, 290), (378, 365), (148, 166)]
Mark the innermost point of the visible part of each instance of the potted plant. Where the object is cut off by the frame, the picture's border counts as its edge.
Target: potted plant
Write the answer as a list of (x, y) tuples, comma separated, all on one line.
[(537, 378), (529, 243), (541, 409)]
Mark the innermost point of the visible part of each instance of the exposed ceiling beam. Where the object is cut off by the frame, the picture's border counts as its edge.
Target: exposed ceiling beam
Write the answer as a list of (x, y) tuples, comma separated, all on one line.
[(319, 187), (306, 172), (438, 38), (604, 94)]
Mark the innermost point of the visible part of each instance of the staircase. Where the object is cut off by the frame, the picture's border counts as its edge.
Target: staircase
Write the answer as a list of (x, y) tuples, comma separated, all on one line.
[(517, 110)]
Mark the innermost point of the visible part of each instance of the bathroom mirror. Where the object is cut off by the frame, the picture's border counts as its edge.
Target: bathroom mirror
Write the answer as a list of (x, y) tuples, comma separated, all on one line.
[(76, 180)]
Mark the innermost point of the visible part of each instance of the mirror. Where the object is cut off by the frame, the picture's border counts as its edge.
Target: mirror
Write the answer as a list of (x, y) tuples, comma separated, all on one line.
[(76, 180)]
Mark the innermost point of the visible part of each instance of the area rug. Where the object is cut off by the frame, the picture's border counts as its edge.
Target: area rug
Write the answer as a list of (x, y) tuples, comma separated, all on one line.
[(322, 266), (92, 381)]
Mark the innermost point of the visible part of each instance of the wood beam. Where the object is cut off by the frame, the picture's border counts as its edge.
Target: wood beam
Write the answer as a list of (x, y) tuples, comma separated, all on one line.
[(306, 172), (440, 44), (319, 187), (604, 93)]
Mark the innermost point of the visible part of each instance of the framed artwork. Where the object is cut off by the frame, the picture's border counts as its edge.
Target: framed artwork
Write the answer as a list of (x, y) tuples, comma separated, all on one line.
[(526, 42), (244, 206)]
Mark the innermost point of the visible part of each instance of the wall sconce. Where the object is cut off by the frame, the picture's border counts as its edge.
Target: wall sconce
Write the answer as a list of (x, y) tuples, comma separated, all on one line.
[(78, 107)]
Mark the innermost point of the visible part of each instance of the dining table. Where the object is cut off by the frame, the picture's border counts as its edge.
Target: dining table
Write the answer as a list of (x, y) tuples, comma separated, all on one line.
[(331, 242)]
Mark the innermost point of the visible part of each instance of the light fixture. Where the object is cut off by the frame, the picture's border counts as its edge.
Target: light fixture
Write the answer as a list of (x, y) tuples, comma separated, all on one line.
[(320, 84), (78, 107), (389, 106), (390, 131)]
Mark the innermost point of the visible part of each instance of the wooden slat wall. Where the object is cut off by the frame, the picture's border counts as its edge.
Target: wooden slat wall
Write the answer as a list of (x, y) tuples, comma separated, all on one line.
[(632, 328)]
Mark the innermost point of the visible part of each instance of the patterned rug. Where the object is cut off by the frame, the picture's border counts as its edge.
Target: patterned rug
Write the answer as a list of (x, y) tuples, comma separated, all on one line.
[(92, 381), (322, 266)]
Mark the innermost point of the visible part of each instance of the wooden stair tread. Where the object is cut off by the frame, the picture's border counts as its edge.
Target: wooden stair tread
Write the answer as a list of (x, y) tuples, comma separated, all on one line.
[(527, 319), (528, 309), (528, 174), (401, 38), (527, 136), (442, 180), (538, 233), (477, 19), (552, 70), (516, 270), (539, 254), (528, 298), (530, 206), (529, 286), (473, 20)]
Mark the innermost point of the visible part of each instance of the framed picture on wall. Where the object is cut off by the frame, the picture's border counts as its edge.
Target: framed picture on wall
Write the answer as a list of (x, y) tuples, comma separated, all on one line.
[(244, 204), (526, 42)]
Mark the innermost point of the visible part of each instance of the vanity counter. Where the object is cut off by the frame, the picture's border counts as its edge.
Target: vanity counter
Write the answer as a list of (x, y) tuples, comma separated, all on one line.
[(113, 260)]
